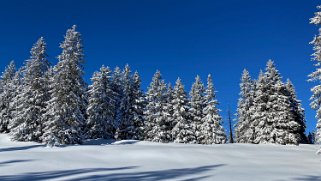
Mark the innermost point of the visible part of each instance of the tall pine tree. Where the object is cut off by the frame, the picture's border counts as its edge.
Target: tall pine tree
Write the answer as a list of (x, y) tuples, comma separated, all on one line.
[(244, 132), (156, 128), (196, 107), (183, 131), (6, 96), (100, 109), (297, 111), (130, 107), (67, 106), (316, 75), (168, 110), (15, 107), (28, 126), (274, 120), (211, 127), (139, 103), (117, 87)]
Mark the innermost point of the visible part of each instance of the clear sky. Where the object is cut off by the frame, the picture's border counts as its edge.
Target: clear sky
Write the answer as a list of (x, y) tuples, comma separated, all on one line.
[(181, 38)]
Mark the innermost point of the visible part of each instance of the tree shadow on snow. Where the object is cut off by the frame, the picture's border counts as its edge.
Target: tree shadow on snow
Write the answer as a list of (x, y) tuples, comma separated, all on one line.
[(20, 148), (99, 174), (109, 142), (153, 175), (37, 176), (308, 178), (13, 161)]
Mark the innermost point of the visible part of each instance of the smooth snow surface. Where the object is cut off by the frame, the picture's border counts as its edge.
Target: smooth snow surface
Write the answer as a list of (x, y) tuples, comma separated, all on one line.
[(132, 160)]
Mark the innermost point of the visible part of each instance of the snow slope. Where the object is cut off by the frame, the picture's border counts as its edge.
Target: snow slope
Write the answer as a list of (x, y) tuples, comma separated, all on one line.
[(132, 160)]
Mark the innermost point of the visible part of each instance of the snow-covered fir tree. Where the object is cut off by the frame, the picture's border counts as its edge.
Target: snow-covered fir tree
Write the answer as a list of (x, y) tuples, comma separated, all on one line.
[(152, 109), (168, 110), (244, 132), (65, 116), (183, 131), (297, 111), (15, 106), (196, 107), (138, 106), (273, 120), (117, 87), (125, 114), (165, 121), (130, 108), (211, 129), (156, 127), (263, 116), (6, 96), (28, 126), (316, 75), (49, 84), (100, 109), (258, 110), (285, 128)]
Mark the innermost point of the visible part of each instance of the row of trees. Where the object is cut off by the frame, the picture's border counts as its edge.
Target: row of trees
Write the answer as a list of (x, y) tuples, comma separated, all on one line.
[(54, 105), (268, 110), (172, 116)]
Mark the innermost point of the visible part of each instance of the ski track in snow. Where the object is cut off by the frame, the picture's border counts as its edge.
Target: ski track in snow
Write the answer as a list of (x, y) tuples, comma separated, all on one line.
[(134, 160)]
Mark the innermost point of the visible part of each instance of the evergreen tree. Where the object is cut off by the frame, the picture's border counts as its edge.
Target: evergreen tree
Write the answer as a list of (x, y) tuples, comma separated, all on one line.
[(316, 75), (286, 127), (211, 128), (49, 85), (138, 106), (156, 128), (117, 87), (153, 106), (168, 110), (258, 110), (297, 111), (15, 106), (66, 107), (125, 114), (274, 120), (265, 116), (100, 110), (244, 132), (28, 127), (165, 121), (163, 124), (131, 107), (183, 131), (196, 108), (6, 96)]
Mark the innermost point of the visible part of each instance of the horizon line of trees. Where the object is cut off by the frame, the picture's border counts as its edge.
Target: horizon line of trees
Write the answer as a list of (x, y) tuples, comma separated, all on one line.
[(54, 105)]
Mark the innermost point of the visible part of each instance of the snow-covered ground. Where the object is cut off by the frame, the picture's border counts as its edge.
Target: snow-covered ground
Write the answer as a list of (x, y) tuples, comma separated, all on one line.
[(132, 160)]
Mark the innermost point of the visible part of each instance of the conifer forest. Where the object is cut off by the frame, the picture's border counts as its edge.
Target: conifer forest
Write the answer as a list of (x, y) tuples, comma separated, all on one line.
[(166, 90), (52, 104)]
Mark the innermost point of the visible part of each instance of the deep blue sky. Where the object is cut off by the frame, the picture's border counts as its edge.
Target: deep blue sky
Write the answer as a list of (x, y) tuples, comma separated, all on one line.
[(181, 38)]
